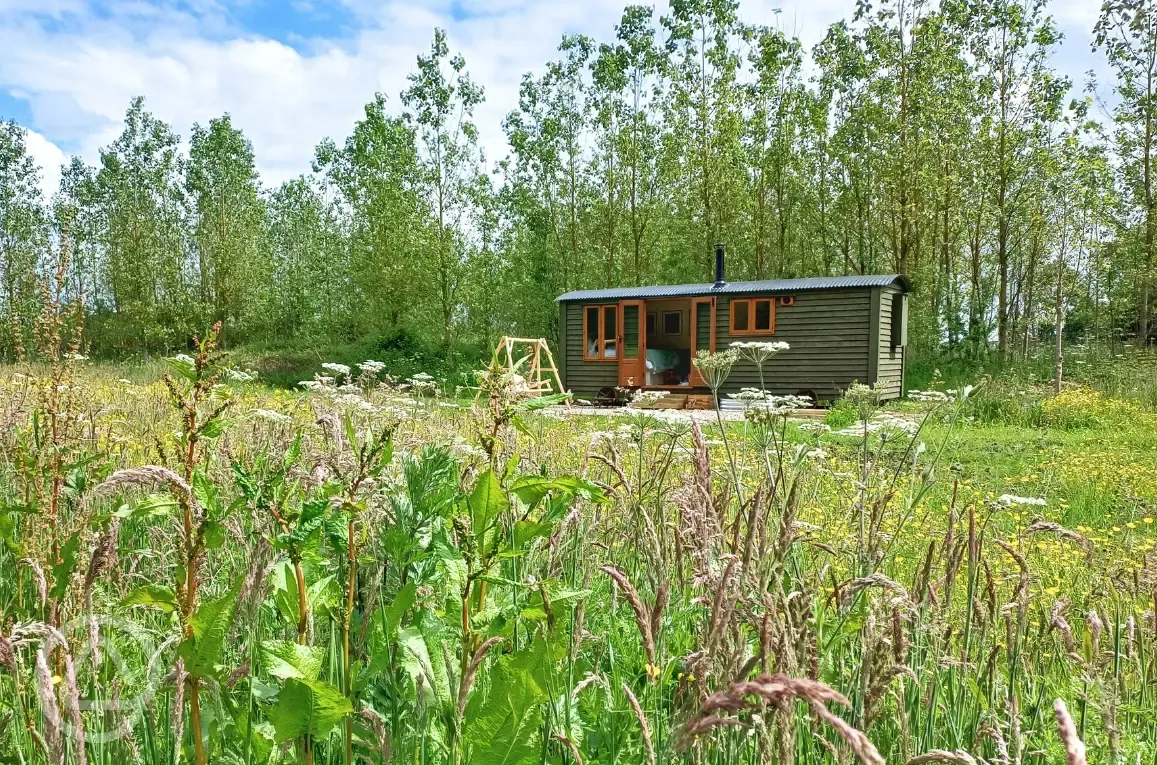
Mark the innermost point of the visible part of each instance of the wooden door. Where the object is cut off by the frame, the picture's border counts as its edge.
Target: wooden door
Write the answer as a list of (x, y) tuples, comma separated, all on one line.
[(632, 343), (702, 333)]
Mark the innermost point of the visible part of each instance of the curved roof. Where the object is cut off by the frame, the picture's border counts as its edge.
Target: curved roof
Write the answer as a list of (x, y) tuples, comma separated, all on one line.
[(740, 288)]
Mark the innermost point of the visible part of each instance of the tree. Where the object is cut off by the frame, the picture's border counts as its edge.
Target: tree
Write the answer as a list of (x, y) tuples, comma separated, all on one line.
[(1127, 30), (228, 228), (376, 173), (142, 209), (23, 235), (441, 99)]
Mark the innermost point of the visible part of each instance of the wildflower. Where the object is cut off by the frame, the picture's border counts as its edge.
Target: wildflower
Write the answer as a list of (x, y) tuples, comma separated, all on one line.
[(648, 397), (1147, 521), (339, 370), (653, 672), (239, 376), (881, 423), (371, 367), (748, 395), (271, 416), (776, 406), (183, 358), (1008, 500), (928, 396), (758, 352), (76, 357), (716, 367)]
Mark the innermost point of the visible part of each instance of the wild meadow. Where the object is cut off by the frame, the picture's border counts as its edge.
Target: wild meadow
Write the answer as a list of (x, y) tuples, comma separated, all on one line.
[(200, 568)]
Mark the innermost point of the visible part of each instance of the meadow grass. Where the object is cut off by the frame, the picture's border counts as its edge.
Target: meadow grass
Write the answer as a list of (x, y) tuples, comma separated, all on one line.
[(206, 569)]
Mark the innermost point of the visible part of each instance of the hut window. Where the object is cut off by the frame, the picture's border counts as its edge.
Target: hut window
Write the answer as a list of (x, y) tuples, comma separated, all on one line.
[(600, 332), (753, 317)]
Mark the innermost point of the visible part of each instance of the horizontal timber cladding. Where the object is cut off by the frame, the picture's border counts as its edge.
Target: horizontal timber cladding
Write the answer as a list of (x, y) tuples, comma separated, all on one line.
[(829, 332), (890, 369), (583, 378)]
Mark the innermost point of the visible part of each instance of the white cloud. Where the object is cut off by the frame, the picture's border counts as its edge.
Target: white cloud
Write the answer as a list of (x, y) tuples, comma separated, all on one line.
[(48, 157), (78, 78)]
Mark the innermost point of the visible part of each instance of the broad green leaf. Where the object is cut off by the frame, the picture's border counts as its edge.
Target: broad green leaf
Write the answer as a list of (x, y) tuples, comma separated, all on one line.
[(503, 728), (526, 532), (307, 708), (398, 607), (150, 506), (62, 571), (284, 659), (422, 656), (153, 596), (211, 624), (540, 402), (487, 502), (532, 488), (183, 367)]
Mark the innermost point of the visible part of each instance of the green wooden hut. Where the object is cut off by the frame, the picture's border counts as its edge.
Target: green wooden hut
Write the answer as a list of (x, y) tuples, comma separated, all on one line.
[(841, 329)]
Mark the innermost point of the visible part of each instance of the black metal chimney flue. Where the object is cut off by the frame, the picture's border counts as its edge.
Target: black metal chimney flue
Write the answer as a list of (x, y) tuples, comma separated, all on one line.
[(719, 280)]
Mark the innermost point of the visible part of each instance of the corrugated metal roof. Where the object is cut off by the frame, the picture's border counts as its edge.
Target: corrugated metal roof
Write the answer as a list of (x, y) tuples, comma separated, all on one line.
[(738, 288)]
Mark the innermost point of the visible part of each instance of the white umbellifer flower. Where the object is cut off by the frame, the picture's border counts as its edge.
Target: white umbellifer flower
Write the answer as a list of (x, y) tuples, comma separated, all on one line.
[(816, 454), (648, 397), (354, 401), (881, 422), (930, 396), (271, 416), (183, 358), (311, 384), (76, 357), (339, 370), (237, 375), (812, 426), (748, 395), (1011, 499), (124, 381), (371, 367)]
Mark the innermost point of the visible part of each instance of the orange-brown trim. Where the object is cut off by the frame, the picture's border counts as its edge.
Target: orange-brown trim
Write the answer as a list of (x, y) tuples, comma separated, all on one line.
[(751, 330), (602, 339)]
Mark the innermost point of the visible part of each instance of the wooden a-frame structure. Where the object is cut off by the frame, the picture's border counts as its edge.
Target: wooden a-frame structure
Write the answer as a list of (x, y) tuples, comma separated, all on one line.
[(540, 380)]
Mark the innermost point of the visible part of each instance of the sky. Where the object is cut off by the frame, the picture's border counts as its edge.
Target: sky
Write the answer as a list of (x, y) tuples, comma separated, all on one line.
[(292, 72)]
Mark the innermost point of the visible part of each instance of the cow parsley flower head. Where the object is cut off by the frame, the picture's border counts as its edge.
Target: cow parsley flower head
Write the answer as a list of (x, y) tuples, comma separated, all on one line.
[(1008, 500), (371, 367), (748, 395), (240, 376), (716, 367), (339, 370), (929, 396), (882, 423), (184, 358), (759, 352), (271, 416), (648, 397)]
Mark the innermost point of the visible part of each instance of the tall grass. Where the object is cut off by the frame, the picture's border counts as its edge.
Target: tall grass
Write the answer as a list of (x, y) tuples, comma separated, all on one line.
[(382, 576)]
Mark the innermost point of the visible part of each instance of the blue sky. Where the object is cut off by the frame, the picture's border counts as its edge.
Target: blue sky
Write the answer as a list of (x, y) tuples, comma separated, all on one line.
[(292, 72)]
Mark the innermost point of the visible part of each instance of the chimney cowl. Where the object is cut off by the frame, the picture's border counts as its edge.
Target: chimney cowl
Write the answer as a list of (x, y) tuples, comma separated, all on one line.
[(719, 275)]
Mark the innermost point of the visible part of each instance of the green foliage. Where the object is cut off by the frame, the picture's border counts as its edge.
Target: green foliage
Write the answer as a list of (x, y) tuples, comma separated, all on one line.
[(307, 709), (210, 627)]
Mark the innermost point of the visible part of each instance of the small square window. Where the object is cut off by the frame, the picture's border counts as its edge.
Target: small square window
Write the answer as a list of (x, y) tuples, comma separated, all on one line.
[(672, 322)]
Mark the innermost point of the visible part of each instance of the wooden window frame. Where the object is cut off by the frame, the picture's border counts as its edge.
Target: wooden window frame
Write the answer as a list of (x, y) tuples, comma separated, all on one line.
[(602, 338), (751, 303), (672, 313)]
